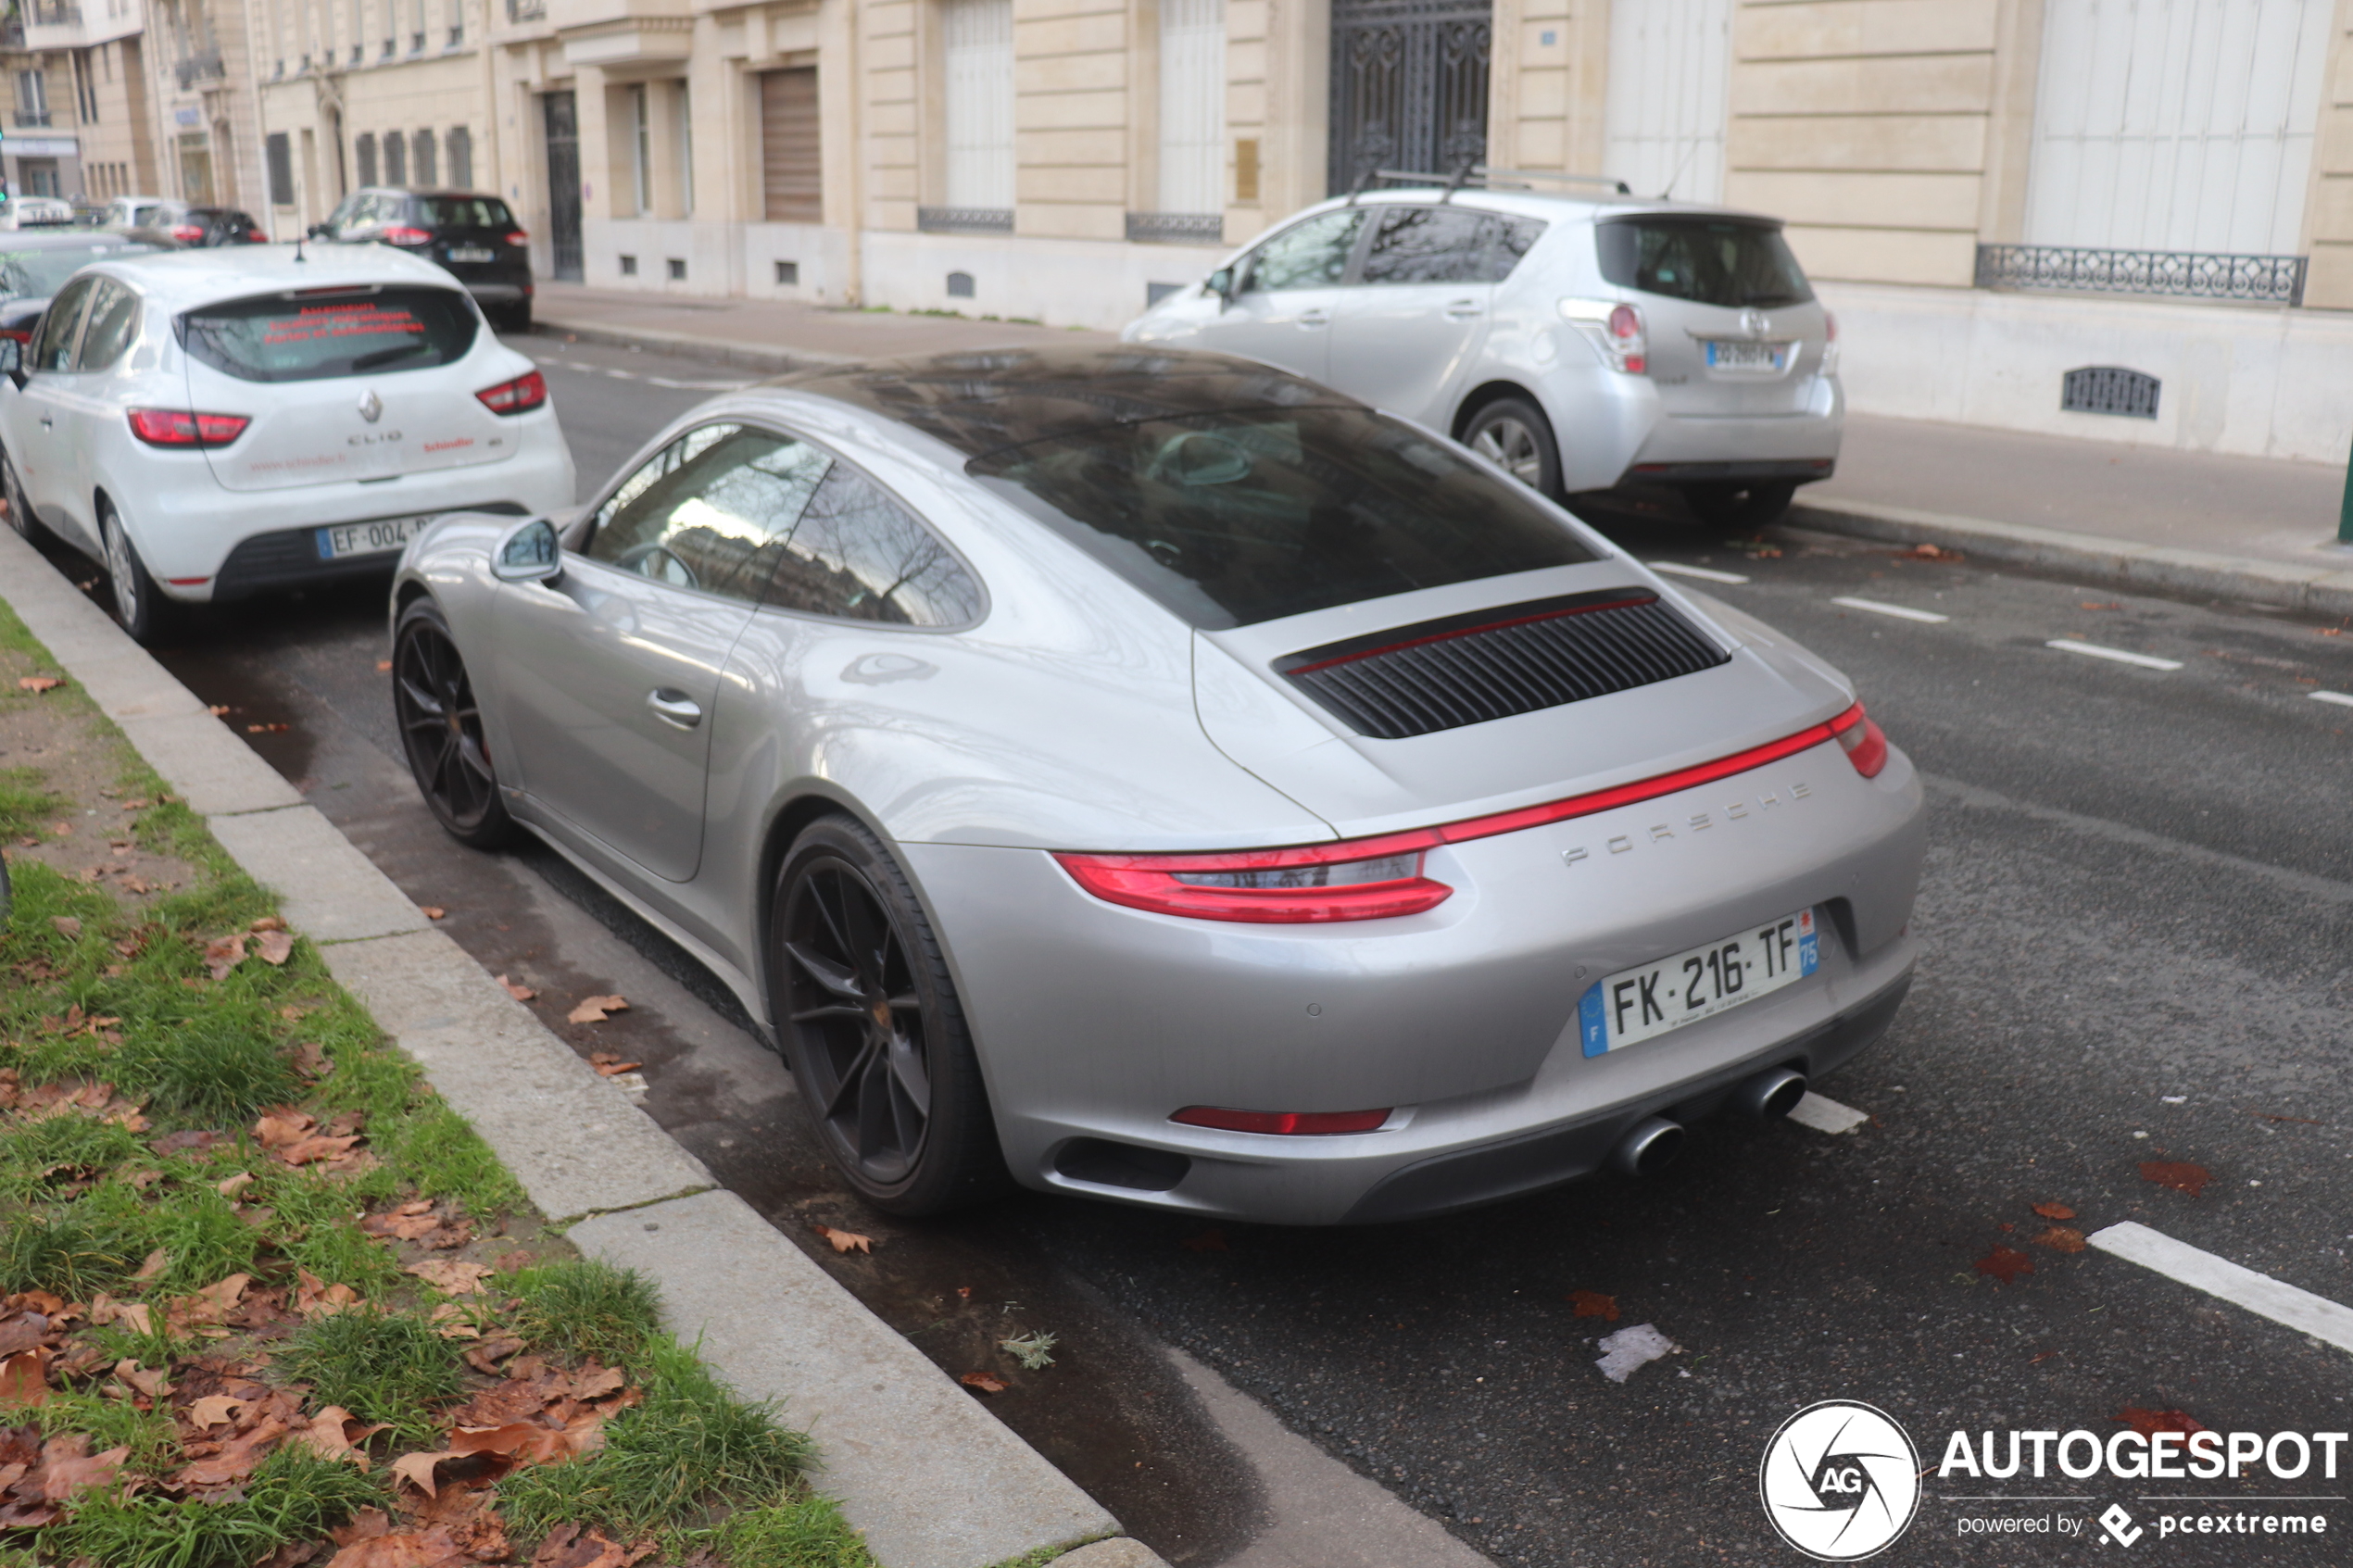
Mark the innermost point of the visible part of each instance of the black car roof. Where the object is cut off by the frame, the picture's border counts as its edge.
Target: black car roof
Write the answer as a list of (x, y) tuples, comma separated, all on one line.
[(985, 402)]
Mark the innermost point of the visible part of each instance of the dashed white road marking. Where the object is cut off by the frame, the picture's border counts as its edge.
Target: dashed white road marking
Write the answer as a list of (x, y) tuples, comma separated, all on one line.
[(1705, 574), (616, 373), (1827, 1115), (2260, 1294), (1899, 611), (2093, 650), (2343, 699)]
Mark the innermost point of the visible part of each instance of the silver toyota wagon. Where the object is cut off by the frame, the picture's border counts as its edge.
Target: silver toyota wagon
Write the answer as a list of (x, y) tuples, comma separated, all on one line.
[(1155, 776), (1583, 342)]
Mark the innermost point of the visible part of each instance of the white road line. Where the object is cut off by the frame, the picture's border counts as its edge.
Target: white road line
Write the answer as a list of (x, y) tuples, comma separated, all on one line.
[(2260, 1293), (2343, 699), (697, 386), (1705, 574), (2093, 650), (1899, 611), (1827, 1115)]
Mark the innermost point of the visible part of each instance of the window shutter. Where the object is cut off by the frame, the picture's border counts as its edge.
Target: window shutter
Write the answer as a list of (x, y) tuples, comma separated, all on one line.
[(790, 144), (978, 35), (1193, 106)]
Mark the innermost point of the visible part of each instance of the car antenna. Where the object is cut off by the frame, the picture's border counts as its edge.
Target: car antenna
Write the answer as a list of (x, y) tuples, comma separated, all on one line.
[(298, 256)]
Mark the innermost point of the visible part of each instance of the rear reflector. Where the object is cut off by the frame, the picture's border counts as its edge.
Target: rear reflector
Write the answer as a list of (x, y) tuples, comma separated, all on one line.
[(401, 235), (1287, 1123), (524, 393), (518, 238), (174, 427), (1864, 743)]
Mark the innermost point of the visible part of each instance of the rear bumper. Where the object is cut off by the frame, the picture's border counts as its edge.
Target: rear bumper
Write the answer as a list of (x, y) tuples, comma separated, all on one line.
[(289, 559), (1801, 470)]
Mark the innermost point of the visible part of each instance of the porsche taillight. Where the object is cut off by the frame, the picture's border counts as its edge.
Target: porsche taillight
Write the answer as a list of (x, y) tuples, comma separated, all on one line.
[(1299, 886), (1864, 741)]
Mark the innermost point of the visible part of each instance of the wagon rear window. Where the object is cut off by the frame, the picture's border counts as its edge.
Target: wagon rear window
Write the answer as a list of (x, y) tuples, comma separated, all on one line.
[(319, 337), (1709, 260)]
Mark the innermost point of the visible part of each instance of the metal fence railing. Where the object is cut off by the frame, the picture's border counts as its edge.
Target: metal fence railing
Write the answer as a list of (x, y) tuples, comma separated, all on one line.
[(1177, 228), (2273, 280), (965, 219)]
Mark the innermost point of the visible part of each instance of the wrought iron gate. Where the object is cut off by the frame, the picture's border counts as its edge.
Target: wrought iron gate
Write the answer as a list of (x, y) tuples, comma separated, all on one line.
[(562, 119), (1409, 85)]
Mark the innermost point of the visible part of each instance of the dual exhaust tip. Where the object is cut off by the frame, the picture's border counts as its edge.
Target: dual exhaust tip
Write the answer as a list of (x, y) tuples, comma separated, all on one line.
[(1652, 1144)]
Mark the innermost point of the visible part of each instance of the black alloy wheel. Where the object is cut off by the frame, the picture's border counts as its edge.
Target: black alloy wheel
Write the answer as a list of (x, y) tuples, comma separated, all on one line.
[(138, 605), (871, 1026), (19, 510), (1747, 503), (441, 728), (1513, 434)]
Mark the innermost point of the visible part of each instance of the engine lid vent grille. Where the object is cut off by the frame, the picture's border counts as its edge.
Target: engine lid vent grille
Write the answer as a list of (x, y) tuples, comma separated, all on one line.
[(1494, 663)]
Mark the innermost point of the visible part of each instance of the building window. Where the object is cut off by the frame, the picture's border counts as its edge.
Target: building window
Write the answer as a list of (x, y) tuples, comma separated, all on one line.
[(2160, 127), (641, 150), (461, 157), (1669, 77), (85, 89), (426, 158), (788, 272), (682, 104), (628, 266), (363, 152), (396, 160), (1193, 106), (677, 269), (33, 98), (278, 153), (792, 171), (978, 38)]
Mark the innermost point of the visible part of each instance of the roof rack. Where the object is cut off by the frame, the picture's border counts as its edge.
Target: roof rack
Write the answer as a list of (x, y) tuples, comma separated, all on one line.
[(1480, 177)]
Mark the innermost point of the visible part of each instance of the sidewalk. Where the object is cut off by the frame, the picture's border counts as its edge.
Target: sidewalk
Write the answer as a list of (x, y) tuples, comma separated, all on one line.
[(2257, 530)]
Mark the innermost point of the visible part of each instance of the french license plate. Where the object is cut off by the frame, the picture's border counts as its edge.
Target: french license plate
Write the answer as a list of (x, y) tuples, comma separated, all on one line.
[(470, 253), (1732, 354), (367, 538), (1657, 998)]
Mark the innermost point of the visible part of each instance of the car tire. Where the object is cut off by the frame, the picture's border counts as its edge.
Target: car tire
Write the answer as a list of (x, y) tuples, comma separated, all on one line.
[(869, 1020), (441, 730), (138, 605), (21, 516), (1513, 434), (1750, 505), (512, 318)]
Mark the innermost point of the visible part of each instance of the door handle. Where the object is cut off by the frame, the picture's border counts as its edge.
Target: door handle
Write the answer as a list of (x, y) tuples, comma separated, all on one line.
[(46, 422), (1314, 318), (1463, 309), (674, 708)]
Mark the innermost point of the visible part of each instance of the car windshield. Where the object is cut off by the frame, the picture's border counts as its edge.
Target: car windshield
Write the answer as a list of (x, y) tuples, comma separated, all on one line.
[(464, 212), (320, 337), (1708, 261), (36, 273), (1233, 517)]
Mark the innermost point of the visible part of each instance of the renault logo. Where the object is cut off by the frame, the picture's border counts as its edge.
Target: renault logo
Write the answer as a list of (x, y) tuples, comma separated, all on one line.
[(371, 407)]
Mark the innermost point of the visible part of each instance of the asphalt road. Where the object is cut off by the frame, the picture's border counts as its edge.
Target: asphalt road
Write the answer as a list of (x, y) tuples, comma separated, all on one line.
[(2136, 924)]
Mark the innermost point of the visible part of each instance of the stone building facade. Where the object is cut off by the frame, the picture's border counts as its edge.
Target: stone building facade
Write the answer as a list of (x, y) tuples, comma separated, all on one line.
[(80, 121)]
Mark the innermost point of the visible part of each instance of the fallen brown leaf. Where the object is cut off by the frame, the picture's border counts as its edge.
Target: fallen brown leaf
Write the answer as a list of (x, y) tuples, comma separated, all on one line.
[(568, 1546), (595, 1010), (2006, 1263), (154, 1383), (108, 1312), (450, 1275), (233, 1184), (67, 1466), (2148, 1423), (431, 1548), (157, 1262), (519, 991), (2055, 1210), (69, 926), (24, 1377), (331, 1436), (417, 1469), (236, 1459), (984, 1382), (2180, 1176), (433, 912), (1593, 1304), (608, 1065), (36, 684), (484, 1358), (315, 1300), (2062, 1238), (214, 1409), (847, 1241), (273, 947)]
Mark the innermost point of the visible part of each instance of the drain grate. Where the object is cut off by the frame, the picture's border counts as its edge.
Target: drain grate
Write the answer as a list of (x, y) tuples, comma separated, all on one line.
[(2109, 389)]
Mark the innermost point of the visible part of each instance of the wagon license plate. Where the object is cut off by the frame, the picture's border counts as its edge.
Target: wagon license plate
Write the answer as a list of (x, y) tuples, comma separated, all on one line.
[(470, 253), (1657, 998), (368, 538), (1731, 354)]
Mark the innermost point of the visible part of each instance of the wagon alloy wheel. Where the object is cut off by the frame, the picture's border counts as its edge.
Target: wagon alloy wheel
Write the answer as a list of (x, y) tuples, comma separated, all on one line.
[(1513, 433), (869, 1018), (1511, 446), (441, 727)]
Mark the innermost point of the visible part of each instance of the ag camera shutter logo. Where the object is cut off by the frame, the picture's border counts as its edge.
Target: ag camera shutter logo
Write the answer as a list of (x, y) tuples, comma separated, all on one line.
[(1840, 1481)]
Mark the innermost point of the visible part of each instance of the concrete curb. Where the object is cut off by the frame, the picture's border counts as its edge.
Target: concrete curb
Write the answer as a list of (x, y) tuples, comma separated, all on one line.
[(928, 1477), (2323, 588), (715, 351)]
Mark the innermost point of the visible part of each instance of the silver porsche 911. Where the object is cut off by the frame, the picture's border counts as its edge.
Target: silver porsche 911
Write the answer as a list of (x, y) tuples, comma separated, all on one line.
[(1151, 775)]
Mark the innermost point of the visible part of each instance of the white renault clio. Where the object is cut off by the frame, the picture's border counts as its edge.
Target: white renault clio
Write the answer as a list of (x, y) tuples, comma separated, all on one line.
[(213, 423)]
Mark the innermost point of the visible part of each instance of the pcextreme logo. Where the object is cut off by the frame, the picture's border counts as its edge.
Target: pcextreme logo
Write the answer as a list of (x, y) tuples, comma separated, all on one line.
[(1840, 1481)]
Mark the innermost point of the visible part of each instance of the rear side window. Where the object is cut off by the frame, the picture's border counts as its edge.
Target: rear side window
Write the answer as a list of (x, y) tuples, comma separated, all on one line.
[(464, 212), (114, 322), (319, 337), (1447, 245), (1707, 260)]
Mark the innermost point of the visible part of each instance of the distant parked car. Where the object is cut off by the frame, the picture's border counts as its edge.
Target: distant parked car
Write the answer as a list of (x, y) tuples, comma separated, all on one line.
[(135, 212), (35, 263), (1581, 342), (213, 426), (208, 225), (36, 212), (474, 235)]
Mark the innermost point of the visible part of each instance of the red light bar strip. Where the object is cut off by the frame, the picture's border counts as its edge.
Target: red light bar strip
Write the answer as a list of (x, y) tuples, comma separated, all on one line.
[(1282, 1123), (1501, 822)]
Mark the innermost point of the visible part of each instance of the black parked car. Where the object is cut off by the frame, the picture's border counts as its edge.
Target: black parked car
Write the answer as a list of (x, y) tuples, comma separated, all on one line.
[(474, 235), (35, 263)]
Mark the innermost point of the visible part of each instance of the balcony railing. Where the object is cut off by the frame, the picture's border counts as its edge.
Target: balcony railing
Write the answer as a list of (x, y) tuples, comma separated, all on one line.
[(965, 219), (55, 13), (32, 117), (526, 10), (203, 66), (1177, 228), (2269, 280), (11, 32)]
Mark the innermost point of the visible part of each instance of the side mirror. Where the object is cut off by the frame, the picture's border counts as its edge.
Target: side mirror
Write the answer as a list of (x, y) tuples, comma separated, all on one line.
[(1221, 284), (316, 231), (529, 553), (12, 360)]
